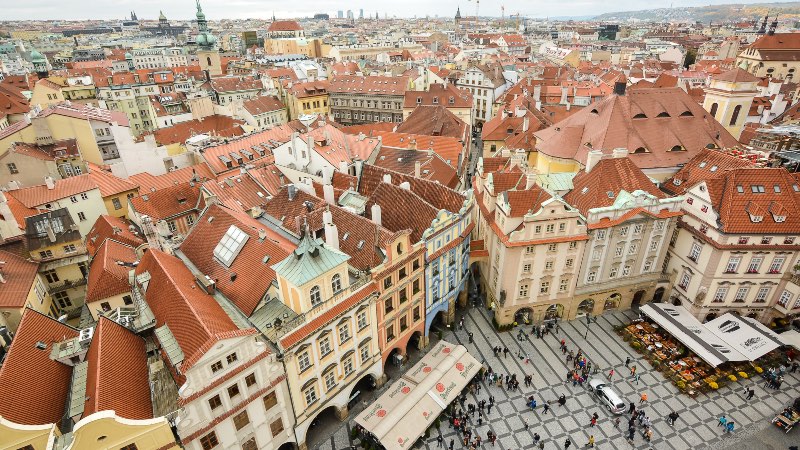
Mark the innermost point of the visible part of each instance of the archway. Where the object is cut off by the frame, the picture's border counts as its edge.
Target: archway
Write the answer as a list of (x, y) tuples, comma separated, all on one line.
[(612, 302), (637, 299), (523, 316), (554, 312), (676, 301), (735, 313), (586, 307), (753, 315), (324, 424), (710, 317), (288, 446), (412, 346), (658, 295), (438, 322), (394, 360)]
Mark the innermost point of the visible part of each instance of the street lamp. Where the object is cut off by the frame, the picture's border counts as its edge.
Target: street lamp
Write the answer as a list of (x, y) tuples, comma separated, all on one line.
[(588, 322)]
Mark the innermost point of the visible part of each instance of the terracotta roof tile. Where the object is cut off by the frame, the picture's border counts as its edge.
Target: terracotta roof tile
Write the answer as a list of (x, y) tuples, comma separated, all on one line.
[(369, 85), (39, 195), (432, 166), (118, 376), (707, 164), (236, 84), (19, 274), (222, 126), (437, 195), (601, 186), (284, 25), (402, 209), (435, 121), (108, 183), (110, 227), (247, 279), (106, 277), (736, 75), (263, 104), (40, 399), (19, 210), (170, 201), (240, 192), (217, 156), (461, 98), (150, 183)]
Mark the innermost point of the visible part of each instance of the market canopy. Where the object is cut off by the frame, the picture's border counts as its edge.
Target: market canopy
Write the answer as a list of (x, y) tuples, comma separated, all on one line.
[(727, 338), (402, 414), (791, 337)]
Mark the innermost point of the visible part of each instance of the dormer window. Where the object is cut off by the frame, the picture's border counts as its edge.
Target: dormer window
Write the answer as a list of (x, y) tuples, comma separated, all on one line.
[(703, 164), (757, 188), (777, 189), (640, 116), (687, 114), (756, 219), (419, 100), (640, 150), (713, 169), (663, 114), (739, 189), (677, 182), (676, 148)]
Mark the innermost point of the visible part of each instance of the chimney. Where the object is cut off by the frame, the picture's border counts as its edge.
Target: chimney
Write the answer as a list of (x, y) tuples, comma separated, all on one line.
[(262, 234), (310, 144), (564, 100), (592, 159), (331, 235), (376, 214), (537, 92), (387, 178), (50, 182), (327, 192), (291, 191), (342, 167), (620, 152), (525, 124), (405, 185), (530, 179), (417, 169), (619, 88)]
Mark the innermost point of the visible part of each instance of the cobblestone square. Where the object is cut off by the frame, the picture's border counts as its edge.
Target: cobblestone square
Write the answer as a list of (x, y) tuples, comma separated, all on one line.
[(696, 427)]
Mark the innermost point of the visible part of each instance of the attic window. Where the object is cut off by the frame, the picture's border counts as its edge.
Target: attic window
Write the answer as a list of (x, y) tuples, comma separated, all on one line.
[(711, 145), (510, 131), (676, 148), (452, 100), (677, 182), (703, 164), (41, 345), (713, 168), (640, 116), (435, 100), (230, 245), (663, 114), (585, 190), (779, 219), (610, 194), (796, 188), (346, 235), (739, 189), (777, 189), (757, 188), (360, 245), (687, 114), (594, 111), (419, 100), (640, 150)]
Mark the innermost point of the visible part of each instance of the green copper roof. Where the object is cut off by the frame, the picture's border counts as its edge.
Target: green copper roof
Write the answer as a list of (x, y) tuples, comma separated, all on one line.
[(311, 259)]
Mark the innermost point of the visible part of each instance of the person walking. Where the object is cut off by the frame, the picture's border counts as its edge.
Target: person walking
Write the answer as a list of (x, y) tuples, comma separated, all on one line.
[(729, 427), (439, 441), (593, 422), (567, 443), (750, 393), (536, 438), (610, 374), (616, 422), (631, 408), (643, 398), (470, 337), (636, 378), (722, 421), (452, 442), (591, 441), (633, 370), (541, 445), (546, 407), (628, 361)]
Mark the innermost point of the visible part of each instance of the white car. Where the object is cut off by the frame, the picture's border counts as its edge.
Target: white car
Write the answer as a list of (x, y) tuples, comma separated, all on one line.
[(607, 396)]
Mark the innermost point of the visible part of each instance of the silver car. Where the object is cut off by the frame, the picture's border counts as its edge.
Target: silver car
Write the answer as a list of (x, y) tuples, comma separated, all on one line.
[(610, 399)]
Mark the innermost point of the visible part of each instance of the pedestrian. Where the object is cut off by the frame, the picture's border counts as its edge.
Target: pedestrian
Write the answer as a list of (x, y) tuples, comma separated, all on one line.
[(636, 378), (610, 374), (795, 366), (722, 421), (536, 438), (627, 361), (439, 441), (631, 408), (643, 398), (591, 441), (452, 442), (461, 324), (562, 400), (567, 443), (616, 422), (750, 393), (546, 408), (488, 409), (631, 433), (505, 352), (470, 337), (729, 427), (593, 422), (633, 370), (541, 445), (525, 422), (648, 434)]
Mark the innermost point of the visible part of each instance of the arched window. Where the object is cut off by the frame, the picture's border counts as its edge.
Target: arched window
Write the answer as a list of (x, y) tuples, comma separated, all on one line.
[(336, 283), (735, 115), (399, 248), (316, 297), (713, 111), (208, 60)]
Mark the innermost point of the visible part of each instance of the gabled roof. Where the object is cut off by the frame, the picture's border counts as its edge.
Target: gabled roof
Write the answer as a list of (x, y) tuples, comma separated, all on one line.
[(707, 164), (523, 201), (108, 183), (437, 195), (309, 260), (284, 25), (736, 75), (170, 201), (368, 85), (150, 183), (35, 400), (86, 112), (110, 227), (402, 209), (222, 126), (435, 120), (250, 274), (439, 94), (239, 192), (601, 186), (194, 317), (19, 275), (38, 195), (235, 84), (776, 210), (649, 122), (265, 140), (432, 166), (777, 41), (107, 277), (262, 105), (117, 378)]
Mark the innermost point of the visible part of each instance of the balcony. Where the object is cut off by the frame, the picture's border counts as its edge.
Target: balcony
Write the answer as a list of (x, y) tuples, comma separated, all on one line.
[(66, 285)]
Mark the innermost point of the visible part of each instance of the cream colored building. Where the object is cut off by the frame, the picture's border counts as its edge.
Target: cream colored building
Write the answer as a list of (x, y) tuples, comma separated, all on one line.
[(729, 97)]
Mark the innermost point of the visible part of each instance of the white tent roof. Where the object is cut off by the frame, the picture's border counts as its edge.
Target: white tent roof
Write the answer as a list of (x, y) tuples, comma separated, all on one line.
[(745, 335), (791, 337), (681, 324), (411, 404)]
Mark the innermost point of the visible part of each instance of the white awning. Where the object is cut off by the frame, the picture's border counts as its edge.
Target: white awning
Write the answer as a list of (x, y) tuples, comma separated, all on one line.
[(791, 337), (745, 335), (402, 414), (681, 324)]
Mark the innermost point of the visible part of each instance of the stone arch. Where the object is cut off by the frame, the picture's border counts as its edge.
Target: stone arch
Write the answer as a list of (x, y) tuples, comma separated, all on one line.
[(676, 301), (585, 307), (612, 302), (637, 298), (658, 295), (523, 316), (710, 317), (554, 311)]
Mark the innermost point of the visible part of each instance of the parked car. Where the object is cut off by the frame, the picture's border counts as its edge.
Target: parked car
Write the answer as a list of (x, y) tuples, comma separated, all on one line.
[(610, 399)]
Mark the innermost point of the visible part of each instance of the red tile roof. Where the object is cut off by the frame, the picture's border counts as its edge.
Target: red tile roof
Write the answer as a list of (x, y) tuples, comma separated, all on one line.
[(108, 183), (402, 209), (85, 112), (262, 105), (737, 75), (432, 166), (106, 277), (19, 210), (435, 121), (12, 101), (777, 41), (778, 206), (655, 120), (299, 334), (706, 165), (247, 279), (236, 84), (369, 85), (222, 126), (39, 195), (437, 195), (19, 274), (266, 140), (601, 186), (309, 88), (169, 202), (194, 317), (461, 98), (39, 399), (284, 25), (110, 227), (117, 378), (47, 152), (239, 192), (150, 183)]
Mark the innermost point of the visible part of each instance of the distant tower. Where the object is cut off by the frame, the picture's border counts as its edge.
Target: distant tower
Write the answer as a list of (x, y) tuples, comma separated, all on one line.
[(207, 53), (39, 63), (129, 61), (763, 28), (458, 15), (361, 13), (729, 97)]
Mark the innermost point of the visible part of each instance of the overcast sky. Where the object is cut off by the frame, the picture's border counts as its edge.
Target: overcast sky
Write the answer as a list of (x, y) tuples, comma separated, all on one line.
[(235, 9)]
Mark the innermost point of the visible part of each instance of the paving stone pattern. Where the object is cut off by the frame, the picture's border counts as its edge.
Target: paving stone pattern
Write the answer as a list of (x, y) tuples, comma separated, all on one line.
[(696, 428)]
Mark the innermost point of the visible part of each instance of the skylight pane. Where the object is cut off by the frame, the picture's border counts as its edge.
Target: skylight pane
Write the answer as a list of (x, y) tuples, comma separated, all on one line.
[(230, 245)]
